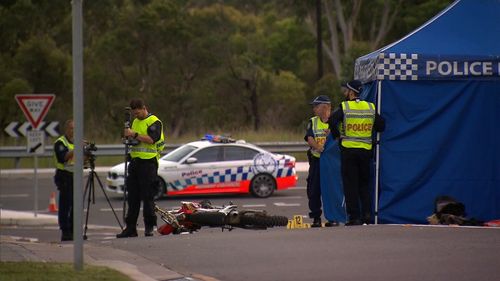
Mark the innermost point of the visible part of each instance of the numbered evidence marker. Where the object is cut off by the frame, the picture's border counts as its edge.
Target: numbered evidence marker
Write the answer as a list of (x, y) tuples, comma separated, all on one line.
[(297, 222), (35, 140)]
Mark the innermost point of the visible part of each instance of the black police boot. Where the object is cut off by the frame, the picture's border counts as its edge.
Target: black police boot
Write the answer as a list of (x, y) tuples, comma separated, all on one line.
[(127, 232), (331, 223), (316, 222), (367, 219), (67, 236), (149, 230), (354, 222)]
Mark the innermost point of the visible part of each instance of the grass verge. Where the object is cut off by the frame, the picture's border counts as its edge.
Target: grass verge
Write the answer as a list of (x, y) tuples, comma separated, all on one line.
[(24, 271)]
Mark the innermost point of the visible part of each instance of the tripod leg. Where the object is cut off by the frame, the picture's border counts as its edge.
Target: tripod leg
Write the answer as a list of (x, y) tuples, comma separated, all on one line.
[(88, 191), (107, 198), (125, 190)]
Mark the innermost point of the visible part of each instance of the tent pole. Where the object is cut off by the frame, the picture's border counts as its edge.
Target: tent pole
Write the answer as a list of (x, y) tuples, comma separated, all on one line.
[(377, 152)]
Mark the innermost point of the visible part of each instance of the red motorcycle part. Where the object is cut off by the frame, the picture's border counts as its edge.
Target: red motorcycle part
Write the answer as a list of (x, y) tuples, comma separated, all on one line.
[(165, 229)]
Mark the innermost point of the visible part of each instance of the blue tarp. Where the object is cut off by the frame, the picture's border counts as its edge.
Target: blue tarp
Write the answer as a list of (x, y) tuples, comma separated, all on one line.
[(332, 193), (438, 89)]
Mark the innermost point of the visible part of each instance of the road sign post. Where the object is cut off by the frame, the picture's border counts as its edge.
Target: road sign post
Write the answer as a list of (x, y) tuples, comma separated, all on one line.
[(35, 146), (35, 107)]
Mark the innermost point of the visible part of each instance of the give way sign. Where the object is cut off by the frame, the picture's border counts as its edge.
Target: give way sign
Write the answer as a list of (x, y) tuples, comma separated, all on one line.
[(35, 107)]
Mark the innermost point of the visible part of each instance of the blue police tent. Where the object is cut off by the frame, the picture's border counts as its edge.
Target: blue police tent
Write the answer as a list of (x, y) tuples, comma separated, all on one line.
[(439, 90)]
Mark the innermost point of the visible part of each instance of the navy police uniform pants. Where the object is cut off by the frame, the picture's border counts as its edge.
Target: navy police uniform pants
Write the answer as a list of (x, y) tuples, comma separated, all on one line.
[(64, 183), (355, 169), (314, 188), (141, 186)]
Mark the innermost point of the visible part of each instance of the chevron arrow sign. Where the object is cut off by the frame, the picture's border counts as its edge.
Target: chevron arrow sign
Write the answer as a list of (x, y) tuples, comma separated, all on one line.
[(18, 129)]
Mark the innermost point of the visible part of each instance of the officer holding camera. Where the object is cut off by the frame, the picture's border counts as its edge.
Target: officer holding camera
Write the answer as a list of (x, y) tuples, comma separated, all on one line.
[(147, 130), (63, 154)]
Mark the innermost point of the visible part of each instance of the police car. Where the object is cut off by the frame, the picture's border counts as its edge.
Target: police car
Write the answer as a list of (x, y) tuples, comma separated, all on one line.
[(216, 165)]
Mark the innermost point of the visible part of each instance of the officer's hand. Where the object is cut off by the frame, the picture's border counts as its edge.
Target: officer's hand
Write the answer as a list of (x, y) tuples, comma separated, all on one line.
[(128, 132)]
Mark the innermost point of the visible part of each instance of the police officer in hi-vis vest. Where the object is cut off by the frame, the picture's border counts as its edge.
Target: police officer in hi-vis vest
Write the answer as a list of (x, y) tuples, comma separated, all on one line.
[(359, 122), (317, 131), (63, 158), (147, 129)]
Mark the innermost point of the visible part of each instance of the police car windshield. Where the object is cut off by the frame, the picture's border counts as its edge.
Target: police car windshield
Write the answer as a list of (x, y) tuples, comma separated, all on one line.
[(179, 153)]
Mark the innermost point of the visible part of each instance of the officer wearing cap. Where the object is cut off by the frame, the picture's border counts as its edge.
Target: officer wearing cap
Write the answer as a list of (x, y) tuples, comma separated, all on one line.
[(317, 131), (358, 122)]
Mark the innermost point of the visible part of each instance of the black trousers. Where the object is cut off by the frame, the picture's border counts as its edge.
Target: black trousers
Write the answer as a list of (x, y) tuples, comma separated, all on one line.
[(355, 169), (141, 186), (64, 183), (314, 187)]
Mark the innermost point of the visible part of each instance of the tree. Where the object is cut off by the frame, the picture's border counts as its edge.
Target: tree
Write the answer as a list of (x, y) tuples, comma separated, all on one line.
[(199, 64)]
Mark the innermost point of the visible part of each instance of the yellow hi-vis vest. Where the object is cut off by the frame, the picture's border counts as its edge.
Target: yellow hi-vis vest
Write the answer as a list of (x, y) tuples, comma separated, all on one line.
[(144, 150), (318, 128), (67, 166), (359, 117)]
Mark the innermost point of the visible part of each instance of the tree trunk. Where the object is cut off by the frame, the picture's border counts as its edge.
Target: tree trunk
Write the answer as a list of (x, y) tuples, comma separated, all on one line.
[(319, 40), (250, 83), (177, 126), (337, 22), (254, 100), (386, 23)]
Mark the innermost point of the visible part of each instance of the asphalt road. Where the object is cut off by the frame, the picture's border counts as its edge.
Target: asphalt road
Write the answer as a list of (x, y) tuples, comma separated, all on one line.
[(341, 253), (381, 252), (16, 193)]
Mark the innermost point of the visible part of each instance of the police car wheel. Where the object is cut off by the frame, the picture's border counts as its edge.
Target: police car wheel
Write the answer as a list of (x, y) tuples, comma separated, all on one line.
[(262, 186), (161, 188)]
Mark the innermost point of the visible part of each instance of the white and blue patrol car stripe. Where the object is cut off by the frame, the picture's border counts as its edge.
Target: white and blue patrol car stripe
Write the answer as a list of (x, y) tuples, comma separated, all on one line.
[(229, 175)]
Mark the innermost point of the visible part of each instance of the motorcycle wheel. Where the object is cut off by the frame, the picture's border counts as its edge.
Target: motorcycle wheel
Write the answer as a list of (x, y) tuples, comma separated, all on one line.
[(208, 219), (261, 220), (161, 189)]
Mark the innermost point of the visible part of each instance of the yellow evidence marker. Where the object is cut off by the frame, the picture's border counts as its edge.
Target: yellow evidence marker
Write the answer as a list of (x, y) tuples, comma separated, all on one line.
[(297, 222)]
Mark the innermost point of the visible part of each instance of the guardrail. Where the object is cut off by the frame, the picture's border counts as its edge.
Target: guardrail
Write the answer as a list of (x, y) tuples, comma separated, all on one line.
[(18, 152)]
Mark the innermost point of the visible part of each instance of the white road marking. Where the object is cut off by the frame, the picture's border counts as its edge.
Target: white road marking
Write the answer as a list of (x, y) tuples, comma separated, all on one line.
[(24, 239), (109, 209), (254, 206), (283, 204), (110, 237), (292, 197)]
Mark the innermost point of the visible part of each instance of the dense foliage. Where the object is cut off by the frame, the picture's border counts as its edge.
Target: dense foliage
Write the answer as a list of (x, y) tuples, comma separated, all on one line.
[(201, 65)]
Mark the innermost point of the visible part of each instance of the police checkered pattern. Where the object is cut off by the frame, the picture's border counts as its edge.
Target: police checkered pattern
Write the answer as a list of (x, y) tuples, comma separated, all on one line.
[(229, 175), (397, 66), (234, 174), (283, 169)]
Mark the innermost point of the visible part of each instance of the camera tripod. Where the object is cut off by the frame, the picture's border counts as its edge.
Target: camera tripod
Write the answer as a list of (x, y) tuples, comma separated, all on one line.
[(125, 176), (90, 191), (128, 142)]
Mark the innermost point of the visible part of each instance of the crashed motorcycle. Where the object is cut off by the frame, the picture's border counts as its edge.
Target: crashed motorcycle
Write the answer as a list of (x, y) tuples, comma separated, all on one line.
[(191, 216)]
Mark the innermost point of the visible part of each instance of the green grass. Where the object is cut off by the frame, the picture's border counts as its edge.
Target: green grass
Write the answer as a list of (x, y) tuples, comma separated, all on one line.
[(21, 271)]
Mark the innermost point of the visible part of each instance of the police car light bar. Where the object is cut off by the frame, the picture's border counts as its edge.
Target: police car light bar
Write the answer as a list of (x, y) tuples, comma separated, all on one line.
[(218, 138)]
